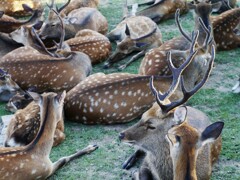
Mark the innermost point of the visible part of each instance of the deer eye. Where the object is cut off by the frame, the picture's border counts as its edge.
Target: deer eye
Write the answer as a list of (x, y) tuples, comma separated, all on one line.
[(178, 138), (150, 126)]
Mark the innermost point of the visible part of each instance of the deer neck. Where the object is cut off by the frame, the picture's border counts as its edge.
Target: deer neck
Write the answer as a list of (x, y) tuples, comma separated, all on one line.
[(42, 144), (185, 167)]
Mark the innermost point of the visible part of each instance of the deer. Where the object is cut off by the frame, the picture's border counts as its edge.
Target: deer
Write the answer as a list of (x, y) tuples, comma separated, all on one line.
[(23, 127), (14, 8), (224, 29), (155, 62), (76, 20), (8, 87), (96, 99), (133, 34), (9, 24), (26, 162), (236, 87), (149, 133), (162, 10), (226, 5), (76, 4), (185, 142), (56, 71)]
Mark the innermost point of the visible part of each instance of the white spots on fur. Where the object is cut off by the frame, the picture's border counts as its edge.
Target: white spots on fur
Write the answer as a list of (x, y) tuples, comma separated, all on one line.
[(33, 171), (116, 106)]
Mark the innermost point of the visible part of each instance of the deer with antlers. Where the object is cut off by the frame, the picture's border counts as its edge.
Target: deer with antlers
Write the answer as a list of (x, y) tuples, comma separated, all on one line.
[(149, 133), (32, 161), (9, 24), (133, 34), (76, 20), (56, 71), (155, 60)]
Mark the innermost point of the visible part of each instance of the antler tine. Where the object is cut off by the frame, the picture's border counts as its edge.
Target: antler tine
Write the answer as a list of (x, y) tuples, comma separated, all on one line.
[(177, 15), (208, 31), (50, 6), (176, 74), (61, 8), (62, 30), (227, 4), (188, 94), (41, 43)]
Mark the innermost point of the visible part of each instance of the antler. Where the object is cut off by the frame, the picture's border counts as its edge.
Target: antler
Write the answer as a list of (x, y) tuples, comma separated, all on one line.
[(186, 94), (177, 15), (52, 4), (61, 8)]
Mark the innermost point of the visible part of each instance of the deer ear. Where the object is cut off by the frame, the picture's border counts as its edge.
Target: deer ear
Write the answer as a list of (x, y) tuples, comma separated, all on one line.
[(216, 6), (38, 25), (27, 8), (180, 114), (127, 31), (212, 132), (36, 97)]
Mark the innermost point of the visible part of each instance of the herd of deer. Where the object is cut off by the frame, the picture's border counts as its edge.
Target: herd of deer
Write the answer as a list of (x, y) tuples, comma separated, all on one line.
[(54, 58)]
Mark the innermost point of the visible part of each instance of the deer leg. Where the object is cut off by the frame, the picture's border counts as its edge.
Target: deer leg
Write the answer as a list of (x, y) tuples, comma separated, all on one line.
[(61, 162), (134, 58), (133, 159)]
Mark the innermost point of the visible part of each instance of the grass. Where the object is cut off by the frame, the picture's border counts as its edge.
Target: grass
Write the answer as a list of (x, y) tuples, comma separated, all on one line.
[(216, 100)]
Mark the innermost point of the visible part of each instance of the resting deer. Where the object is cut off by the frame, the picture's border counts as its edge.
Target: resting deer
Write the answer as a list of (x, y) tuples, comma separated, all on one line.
[(155, 62), (149, 133), (236, 88), (115, 98), (162, 10), (24, 126), (59, 70), (14, 8), (9, 24), (8, 87), (76, 20), (76, 4), (224, 26), (133, 34), (26, 162), (185, 142)]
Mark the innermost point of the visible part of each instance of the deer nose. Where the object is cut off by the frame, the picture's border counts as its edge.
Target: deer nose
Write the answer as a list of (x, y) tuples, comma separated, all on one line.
[(121, 136)]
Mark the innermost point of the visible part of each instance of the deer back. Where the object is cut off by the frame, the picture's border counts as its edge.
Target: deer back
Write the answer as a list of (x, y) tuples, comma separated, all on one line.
[(164, 9), (110, 99), (92, 43), (30, 68), (223, 27)]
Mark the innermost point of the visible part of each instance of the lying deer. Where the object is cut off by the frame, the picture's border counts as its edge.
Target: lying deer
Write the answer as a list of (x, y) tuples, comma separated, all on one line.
[(14, 8), (224, 29), (25, 124), (155, 62), (59, 70), (149, 133), (162, 10), (8, 88), (83, 18), (236, 88), (26, 162), (133, 34), (76, 4), (9, 24)]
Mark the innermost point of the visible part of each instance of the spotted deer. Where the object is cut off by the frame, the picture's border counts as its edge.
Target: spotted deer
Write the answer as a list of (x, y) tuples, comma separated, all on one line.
[(76, 20), (162, 10), (236, 87), (9, 24), (224, 26), (155, 62), (76, 4), (25, 124), (32, 161), (116, 98), (56, 71), (8, 88), (185, 142), (133, 34), (14, 8), (149, 133)]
